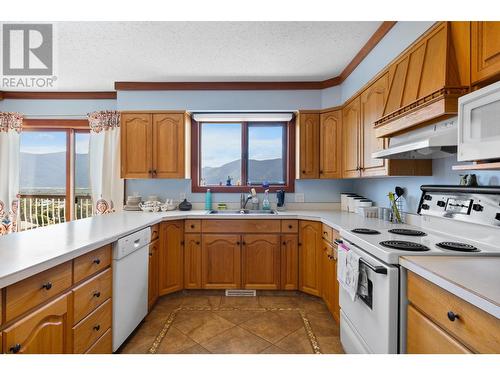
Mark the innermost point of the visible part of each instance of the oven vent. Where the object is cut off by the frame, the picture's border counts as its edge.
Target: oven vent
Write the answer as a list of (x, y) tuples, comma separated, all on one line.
[(240, 293)]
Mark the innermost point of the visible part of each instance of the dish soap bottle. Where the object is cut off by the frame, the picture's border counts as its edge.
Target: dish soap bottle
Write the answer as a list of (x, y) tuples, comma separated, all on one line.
[(265, 203), (208, 200)]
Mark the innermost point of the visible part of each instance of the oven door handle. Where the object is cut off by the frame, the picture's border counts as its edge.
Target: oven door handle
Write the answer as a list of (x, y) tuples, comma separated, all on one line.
[(376, 269)]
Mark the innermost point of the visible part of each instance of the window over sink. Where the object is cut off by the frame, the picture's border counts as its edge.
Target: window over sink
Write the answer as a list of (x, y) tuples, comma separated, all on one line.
[(235, 152)]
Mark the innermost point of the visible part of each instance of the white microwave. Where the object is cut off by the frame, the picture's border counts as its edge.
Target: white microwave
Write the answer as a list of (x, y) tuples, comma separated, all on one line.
[(479, 124)]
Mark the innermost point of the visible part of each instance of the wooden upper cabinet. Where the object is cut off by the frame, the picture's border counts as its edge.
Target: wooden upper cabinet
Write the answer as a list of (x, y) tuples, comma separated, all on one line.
[(310, 257), (371, 107), (485, 51), (192, 261), (221, 261), (168, 145), (351, 139), (309, 145), (136, 145), (261, 261), (46, 330), (426, 80), (153, 145), (171, 259), (330, 137), (153, 269)]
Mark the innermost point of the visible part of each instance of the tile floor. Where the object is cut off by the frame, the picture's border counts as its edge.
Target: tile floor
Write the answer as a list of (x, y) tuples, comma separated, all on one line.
[(204, 322)]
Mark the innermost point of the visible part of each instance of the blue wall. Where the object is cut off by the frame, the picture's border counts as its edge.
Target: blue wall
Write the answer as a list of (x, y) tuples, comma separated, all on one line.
[(377, 189), (56, 108)]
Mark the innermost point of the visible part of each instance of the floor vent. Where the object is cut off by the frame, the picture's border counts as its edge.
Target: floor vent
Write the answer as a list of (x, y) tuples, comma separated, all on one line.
[(240, 293)]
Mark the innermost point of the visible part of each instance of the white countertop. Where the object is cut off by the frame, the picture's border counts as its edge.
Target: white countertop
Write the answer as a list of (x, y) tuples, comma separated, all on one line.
[(27, 253), (475, 280)]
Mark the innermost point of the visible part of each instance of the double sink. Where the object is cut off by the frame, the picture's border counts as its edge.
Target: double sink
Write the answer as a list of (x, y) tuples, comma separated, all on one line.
[(242, 212)]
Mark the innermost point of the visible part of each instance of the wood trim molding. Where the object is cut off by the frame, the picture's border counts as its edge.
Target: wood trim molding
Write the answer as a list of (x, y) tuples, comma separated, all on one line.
[(55, 124), (276, 85), (99, 95)]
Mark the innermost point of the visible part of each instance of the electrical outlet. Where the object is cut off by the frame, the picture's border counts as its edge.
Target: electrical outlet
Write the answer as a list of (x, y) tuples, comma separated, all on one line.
[(182, 196), (299, 197)]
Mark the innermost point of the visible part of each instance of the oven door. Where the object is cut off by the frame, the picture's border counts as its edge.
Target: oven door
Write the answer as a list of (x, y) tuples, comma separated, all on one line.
[(370, 324), (478, 124)]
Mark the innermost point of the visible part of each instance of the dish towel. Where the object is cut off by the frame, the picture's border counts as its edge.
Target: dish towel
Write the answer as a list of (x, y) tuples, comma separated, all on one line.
[(348, 270), (363, 281)]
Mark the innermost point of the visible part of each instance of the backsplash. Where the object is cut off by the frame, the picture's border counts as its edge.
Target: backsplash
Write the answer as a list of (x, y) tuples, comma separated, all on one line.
[(377, 189), (315, 191)]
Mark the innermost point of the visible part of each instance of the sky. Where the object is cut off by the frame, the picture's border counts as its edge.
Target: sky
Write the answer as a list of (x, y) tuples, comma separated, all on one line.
[(41, 142), (221, 143)]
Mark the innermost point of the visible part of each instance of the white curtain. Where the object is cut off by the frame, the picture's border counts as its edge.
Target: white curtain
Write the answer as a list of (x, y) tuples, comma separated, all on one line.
[(104, 152), (10, 130)]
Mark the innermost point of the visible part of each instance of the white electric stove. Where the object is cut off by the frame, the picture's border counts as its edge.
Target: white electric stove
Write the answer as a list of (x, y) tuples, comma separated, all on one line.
[(455, 220)]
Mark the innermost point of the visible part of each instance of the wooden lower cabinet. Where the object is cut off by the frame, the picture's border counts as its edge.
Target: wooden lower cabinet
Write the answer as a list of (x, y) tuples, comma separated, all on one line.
[(330, 285), (289, 261), (261, 261), (104, 345), (310, 257), (425, 337), (153, 273), (171, 259), (221, 261), (192, 261), (46, 330)]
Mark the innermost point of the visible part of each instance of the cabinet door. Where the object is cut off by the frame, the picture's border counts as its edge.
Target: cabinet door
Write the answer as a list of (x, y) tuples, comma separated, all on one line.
[(289, 262), (261, 261), (331, 145), (192, 261), (372, 106), (351, 137), (47, 330), (136, 141), (485, 50), (309, 145), (171, 260), (221, 261), (310, 257), (168, 145), (327, 290), (154, 253)]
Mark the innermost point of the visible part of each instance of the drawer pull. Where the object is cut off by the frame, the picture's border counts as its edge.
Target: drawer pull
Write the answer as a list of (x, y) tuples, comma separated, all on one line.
[(284, 243), (290, 226), (197, 242), (97, 261), (192, 226), (47, 285), (150, 254), (452, 316), (97, 327), (15, 348), (97, 294)]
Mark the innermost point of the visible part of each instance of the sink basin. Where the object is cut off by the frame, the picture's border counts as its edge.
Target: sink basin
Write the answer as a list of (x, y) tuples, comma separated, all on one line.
[(242, 212)]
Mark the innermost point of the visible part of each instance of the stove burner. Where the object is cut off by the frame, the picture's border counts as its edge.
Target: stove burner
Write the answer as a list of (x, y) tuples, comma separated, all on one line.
[(405, 245), (407, 232), (457, 246), (365, 231)]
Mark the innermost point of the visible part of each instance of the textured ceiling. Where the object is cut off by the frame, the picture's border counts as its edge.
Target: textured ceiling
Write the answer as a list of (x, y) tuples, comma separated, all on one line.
[(93, 55)]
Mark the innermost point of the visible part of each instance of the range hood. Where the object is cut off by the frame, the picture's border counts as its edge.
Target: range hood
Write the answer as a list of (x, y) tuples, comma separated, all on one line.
[(430, 142)]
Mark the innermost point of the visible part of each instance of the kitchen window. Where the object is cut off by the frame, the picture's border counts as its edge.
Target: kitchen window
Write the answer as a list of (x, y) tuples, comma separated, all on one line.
[(237, 152), (54, 172)]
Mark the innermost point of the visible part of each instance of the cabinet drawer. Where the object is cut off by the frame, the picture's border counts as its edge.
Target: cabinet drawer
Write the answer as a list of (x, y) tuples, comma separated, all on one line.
[(103, 345), (91, 263), (155, 232), (424, 337), (475, 328), (327, 233), (91, 294), (28, 293), (241, 226), (289, 226), (191, 226), (91, 328)]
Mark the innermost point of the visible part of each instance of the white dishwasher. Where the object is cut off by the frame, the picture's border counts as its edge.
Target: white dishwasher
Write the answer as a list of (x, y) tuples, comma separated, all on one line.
[(130, 284)]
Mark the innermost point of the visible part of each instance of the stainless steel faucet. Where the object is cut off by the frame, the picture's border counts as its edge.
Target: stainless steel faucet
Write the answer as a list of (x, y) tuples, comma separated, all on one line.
[(244, 200)]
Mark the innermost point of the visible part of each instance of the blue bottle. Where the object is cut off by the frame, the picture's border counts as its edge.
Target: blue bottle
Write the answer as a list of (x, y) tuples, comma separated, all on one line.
[(208, 200)]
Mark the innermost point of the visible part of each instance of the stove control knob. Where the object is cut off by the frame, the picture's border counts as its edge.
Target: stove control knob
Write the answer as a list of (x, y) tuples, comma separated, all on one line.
[(477, 207), (441, 203), (425, 207), (427, 197)]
